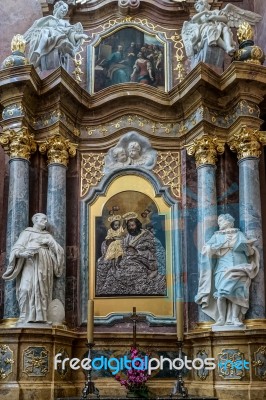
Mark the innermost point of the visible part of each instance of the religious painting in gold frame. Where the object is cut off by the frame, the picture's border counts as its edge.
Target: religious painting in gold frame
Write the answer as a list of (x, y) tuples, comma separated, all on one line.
[(127, 196)]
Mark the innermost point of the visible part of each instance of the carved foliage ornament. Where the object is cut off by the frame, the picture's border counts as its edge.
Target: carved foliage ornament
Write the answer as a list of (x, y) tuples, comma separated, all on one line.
[(247, 143), (36, 361), (58, 150), (226, 367), (18, 143), (6, 361), (206, 149)]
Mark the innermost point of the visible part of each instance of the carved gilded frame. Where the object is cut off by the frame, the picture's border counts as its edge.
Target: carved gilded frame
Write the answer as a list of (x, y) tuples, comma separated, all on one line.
[(157, 309)]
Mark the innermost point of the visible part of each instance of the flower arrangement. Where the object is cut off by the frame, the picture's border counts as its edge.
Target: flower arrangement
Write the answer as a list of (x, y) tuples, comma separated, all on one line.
[(136, 377)]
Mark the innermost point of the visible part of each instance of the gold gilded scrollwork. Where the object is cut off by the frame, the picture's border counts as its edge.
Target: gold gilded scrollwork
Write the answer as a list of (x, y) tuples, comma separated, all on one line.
[(227, 360), (168, 169), (58, 150), (18, 143), (91, 170), (260, 362), (247, 143), (206, 149), (6, 361)]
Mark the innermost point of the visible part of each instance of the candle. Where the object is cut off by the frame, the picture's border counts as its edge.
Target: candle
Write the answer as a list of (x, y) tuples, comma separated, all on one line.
[(179, 320), (90, 321)]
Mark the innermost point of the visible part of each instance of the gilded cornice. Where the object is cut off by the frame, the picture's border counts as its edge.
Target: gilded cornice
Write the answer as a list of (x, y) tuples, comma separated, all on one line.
[(18, 143), (58, 150), (206, 149), (247, 143)]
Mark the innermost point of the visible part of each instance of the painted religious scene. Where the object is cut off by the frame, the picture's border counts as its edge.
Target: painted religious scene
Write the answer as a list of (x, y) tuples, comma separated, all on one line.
[(129, 55), (130, 247)]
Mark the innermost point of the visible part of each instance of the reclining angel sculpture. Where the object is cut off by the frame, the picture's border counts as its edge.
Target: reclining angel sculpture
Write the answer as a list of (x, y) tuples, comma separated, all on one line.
[(213, 28)]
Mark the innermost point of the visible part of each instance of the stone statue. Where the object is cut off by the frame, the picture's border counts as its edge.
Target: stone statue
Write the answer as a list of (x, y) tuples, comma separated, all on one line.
[(213, 28), (131, 150), (229, 261), (51, 38), (34, 260)]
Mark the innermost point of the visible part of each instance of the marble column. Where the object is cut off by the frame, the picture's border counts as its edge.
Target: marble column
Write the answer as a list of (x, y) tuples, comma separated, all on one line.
[(248, 144), (205, 151), (58, 151), (19, 144)]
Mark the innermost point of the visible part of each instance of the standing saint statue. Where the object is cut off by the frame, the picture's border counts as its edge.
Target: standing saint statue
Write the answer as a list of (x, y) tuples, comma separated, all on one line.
[(34, 260), (229, 261)]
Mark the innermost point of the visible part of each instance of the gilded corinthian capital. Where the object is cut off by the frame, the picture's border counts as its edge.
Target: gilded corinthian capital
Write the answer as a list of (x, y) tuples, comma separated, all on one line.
[(58, 150), (18, 143), (206, 149), (247, 143)]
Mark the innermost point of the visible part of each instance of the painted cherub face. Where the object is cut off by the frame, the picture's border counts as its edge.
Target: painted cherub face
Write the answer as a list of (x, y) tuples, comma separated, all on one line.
[(116, 225)]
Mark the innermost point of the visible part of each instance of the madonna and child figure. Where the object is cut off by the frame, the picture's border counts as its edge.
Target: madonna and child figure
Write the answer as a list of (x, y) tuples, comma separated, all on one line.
[(34, 260), (132, 261), (229, 261)]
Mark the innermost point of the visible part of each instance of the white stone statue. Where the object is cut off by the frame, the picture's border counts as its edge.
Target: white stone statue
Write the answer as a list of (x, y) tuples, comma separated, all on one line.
[(229, 261), (56, 312), (34, 260), (51, 38), (213, 28)]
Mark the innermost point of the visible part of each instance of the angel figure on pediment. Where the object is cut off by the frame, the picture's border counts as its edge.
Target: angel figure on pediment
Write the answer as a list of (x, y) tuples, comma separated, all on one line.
[(213, 27)]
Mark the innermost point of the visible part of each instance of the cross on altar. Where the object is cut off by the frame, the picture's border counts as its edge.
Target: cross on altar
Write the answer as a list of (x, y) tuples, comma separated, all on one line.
[(134, 317)]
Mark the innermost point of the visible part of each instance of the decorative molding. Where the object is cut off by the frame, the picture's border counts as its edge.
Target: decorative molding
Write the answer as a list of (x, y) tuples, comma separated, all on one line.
[(18, 143), (228, 371), (206, 149), (64, 354), (13, 111), (247, 143), (50, 118), (36, 361), (260, 363), (58, 150), (6, 361), (168, 169), (202, 373), (91, 170)]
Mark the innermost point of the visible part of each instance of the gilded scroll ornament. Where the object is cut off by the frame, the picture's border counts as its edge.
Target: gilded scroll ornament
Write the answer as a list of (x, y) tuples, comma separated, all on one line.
[(91, 170), (168, 168), (6, 361), (206, 149), (260, 362), (18, 143), (17, 58), (202, 373), (36, 361), (227, 362), (58, 150), (247, 143)]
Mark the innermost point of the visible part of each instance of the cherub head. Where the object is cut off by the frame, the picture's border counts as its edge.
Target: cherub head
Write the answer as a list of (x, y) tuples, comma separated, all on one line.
[(201, 5), (119, 154), (134, 150)]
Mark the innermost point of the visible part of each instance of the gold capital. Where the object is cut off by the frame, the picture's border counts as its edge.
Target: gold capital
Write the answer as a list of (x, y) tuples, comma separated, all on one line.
[(18, 143), (247, 143), (206, 149), (58, 149)]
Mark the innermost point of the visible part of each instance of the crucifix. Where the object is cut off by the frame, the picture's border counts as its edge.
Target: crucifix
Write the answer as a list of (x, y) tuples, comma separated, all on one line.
[(134, 317)]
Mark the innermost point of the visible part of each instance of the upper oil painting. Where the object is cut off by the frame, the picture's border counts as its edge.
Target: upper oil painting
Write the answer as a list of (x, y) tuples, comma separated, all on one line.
[(129, 55)]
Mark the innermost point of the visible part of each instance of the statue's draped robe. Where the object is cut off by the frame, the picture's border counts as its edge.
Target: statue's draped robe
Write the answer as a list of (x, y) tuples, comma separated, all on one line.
[(34, 275), (50, 33), (226, 272)]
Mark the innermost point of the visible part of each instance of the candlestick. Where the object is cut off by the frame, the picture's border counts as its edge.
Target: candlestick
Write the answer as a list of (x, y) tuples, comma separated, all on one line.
[(90, 321), (180, 320)]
